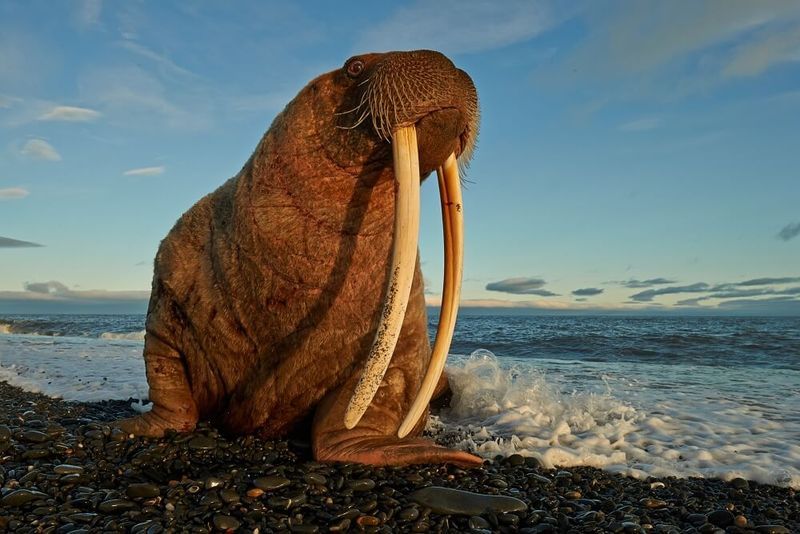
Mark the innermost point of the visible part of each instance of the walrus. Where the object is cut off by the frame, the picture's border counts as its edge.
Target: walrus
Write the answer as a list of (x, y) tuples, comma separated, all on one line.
[(293, 292)]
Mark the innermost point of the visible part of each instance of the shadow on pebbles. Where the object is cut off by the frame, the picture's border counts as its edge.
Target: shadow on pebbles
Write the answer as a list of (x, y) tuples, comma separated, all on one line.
[(63, 468)]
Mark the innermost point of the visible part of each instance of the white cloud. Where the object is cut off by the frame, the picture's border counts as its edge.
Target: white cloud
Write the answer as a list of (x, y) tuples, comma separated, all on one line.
[(458, 26), (145, 171), (40, 149), (161, 60), (13, 192), (70, 114), (641, 125)]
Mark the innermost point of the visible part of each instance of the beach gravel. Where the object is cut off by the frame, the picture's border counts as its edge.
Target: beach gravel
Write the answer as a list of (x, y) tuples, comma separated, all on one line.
[(64, 468)]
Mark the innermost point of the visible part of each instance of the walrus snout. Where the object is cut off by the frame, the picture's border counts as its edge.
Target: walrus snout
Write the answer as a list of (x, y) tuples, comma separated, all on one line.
[(422, 88)]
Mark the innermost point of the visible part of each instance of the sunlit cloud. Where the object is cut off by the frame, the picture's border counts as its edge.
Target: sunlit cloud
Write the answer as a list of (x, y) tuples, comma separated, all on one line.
[(7, 242), (70, 114), (649, 294), (521, 286), (145, 171), (587, 292), (13, 192), (40, 149)]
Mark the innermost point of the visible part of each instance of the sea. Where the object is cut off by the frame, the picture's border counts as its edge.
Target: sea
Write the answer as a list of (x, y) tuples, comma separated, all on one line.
[(659, 396)]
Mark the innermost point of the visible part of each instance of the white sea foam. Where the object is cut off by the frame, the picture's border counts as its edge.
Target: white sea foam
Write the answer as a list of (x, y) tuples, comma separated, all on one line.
[(640, 419), (5, 328), (623, 418), (131, 336)]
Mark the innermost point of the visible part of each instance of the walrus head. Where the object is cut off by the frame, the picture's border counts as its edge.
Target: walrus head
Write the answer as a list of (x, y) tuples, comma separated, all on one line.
[(427, 109)]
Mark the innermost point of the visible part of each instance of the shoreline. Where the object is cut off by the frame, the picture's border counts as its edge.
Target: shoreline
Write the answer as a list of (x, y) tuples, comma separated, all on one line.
[(62, 464)]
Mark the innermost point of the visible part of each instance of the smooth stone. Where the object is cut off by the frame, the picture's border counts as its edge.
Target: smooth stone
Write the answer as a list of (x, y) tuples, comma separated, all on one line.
[(515, 460), (720, 518), (316, 478), (67, 469), (653, 504), (22, 496), (5, 433), (34, 436), (409, 514), (202, 443), (35, 454), (116, 506), (364, 484), (213, 482), (271, 483), (310, 529), (458, 502), (225, 522), (143, 490), (740, 521), (740, 483), (696, 519), (476, 522), (772, 529), (229, 495)]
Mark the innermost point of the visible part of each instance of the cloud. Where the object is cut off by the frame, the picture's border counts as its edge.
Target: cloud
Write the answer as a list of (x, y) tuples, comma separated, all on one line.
[(587, 292), (145, 171), (790, 231), (54, 290), (647, 295), (767, 48), (70, 114), (458, 26), (641, 125), (40, 149), (13, 192), (769, 281), (640, 284), (161, 60), (7, 242), (521, 286)]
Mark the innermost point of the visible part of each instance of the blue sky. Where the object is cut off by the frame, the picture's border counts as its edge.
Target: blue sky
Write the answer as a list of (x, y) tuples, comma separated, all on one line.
[(643, 155)]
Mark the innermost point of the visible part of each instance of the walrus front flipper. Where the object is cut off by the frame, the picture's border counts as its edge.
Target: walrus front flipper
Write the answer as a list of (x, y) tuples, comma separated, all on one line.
[(173, 404), (374, 439)]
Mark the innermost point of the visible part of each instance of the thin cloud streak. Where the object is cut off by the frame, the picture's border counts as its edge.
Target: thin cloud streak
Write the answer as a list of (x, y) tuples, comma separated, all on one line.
[(7, 242), (13, 193), (145, 171), (70, 114)]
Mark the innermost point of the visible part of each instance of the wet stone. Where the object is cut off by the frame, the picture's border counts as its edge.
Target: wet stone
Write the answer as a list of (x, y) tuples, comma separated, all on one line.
[(5, 434), (142, 491), (316, 479), (653, 504), (457, 502), (34, 436), (21, 497), (116, 506), (364, 484), (772, 529), (740, 483), (213, 482), (476, 522), (271, 483), (409, 514), (720, 518), (225, 522), (67, 469), (202, 443), (696, 519), (229, 495)]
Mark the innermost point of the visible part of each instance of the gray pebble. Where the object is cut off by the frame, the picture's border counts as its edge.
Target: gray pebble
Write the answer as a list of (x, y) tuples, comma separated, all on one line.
[(271, 483), (22, 496), (450, 501), (225, 522)]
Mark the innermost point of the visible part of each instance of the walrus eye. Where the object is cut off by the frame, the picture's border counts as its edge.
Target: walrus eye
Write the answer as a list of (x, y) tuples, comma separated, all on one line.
[(355, 68)]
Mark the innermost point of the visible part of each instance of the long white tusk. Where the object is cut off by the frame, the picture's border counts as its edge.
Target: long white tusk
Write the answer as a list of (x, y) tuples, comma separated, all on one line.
[(401, 274), (453, 229)]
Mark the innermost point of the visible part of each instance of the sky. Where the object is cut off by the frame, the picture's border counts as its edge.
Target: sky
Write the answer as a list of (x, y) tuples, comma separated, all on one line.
[(634, 157)]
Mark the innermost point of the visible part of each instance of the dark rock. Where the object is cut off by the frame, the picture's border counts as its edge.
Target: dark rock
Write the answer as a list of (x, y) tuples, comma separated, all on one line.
[(271, 483), (21, 497), (772, 529), (116, 506), (142, 491), (720, 518), (225, 522), (202, 443)]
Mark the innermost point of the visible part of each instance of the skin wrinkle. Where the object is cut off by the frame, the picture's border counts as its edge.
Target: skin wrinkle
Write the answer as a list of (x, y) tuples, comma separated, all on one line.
[(270, 289)]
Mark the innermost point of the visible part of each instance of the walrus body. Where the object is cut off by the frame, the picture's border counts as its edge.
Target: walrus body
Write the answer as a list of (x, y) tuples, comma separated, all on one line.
[(267, 293)]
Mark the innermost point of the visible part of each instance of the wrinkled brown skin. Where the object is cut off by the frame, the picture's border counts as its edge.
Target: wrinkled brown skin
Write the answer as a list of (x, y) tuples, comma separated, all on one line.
[(267, 293)]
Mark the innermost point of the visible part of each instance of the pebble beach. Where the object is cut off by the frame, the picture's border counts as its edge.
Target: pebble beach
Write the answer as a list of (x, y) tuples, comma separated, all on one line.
[(64, 468)]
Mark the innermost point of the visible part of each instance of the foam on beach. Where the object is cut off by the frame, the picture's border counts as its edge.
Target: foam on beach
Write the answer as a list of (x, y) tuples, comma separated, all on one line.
[(632, 418)]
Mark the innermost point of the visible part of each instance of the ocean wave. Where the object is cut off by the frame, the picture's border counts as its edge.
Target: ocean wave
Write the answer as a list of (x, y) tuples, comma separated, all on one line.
[(131, 336)]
